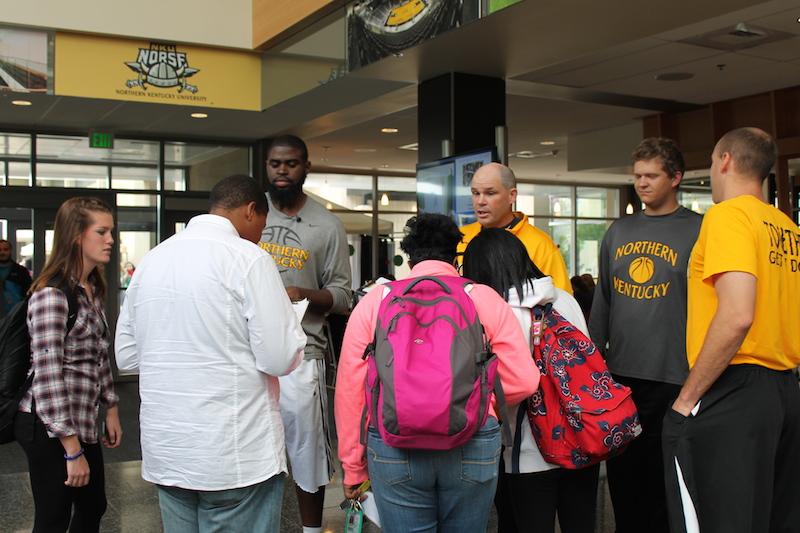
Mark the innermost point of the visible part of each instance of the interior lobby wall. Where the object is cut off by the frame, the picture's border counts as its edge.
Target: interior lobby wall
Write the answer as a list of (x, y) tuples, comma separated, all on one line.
[(225, 24)]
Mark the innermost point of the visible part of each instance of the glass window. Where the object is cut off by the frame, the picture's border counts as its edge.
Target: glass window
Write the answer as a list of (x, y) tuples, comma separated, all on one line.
[(141, 178), (590, 235), (15, 153), (544, 200), (137, 221), (19, 174), (397, 194), (341, 191), (560, 231), (697, 201), (71, 175), (174, 179), (597, 202), (203, 164)]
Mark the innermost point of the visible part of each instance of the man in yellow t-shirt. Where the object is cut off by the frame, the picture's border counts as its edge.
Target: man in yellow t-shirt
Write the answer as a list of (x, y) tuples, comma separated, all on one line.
[(494, 191), (732, 437)]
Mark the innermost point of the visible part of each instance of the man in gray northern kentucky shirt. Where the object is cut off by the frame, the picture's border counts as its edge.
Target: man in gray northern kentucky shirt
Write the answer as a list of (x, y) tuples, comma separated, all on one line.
[(639, 311), (310, 249)]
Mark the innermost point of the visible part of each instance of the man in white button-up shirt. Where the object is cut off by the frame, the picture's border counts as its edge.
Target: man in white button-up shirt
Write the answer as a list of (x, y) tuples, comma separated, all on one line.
[(208, 324)]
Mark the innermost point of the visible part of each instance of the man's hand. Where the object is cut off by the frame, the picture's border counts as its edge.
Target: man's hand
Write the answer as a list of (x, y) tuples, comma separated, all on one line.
[(682, 407), (294, 293)]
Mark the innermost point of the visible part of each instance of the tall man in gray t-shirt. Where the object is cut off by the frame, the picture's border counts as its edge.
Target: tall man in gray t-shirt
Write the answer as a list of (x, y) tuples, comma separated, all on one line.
[(310, 249), (639, 313)]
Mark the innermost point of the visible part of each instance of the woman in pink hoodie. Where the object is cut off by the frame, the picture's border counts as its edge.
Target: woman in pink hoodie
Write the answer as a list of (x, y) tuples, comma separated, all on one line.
[(415, 489)]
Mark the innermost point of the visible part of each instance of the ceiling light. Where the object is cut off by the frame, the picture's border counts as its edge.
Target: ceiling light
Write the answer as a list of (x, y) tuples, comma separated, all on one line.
[(23, 103), (527, 154), (389, 130), (329, 206), (384, 166), (674, 76), (199, 115), (413, 147), (385, 199), (547, 143)]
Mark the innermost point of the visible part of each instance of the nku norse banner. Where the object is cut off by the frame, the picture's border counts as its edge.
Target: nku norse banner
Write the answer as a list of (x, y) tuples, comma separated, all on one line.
[(156, 72)]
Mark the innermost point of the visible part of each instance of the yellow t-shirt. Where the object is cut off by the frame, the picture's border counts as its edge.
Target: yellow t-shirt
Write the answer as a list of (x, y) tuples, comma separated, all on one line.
[(744, 234)]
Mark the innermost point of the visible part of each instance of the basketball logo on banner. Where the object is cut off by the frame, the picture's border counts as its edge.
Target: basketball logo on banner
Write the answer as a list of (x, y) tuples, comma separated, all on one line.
[(163, 66)]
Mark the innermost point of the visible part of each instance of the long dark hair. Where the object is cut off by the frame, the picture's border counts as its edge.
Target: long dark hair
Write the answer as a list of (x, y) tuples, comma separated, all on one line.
[(66, 260), (496, 258)]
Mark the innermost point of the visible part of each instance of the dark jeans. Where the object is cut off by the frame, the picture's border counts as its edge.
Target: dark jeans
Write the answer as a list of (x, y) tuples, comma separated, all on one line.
[(533, 500), (54, 501), (636, 477)]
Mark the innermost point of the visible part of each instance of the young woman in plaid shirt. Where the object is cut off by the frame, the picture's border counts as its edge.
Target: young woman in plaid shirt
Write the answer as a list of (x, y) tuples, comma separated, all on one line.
[(56, 425)]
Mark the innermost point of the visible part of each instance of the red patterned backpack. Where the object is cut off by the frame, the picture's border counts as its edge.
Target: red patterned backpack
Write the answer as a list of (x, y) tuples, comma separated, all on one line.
[(580, 415)]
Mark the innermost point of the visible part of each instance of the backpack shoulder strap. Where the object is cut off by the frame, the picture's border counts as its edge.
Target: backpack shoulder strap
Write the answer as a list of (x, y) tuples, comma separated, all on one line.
[(71, 293)]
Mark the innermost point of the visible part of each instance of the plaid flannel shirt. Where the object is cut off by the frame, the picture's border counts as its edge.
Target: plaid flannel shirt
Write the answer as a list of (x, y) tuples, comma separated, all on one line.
[(71, 376)]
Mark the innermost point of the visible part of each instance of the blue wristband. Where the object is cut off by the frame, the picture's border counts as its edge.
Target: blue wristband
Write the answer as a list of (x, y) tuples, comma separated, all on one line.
[(69, 457)]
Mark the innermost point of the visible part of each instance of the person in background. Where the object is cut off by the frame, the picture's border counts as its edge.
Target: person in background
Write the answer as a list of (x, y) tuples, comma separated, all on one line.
[(531, 491), (494, 191), (639, 320), (208, 325), (57, 422), (583, 294), (428, 490), (309, 246), (14, 279), (732, 437)]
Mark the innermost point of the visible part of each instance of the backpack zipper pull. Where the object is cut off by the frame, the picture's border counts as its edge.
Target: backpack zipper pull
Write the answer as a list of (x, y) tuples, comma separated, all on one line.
[(536, 331)]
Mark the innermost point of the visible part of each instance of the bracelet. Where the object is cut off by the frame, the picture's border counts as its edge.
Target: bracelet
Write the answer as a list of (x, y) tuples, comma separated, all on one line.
[(69, 457)]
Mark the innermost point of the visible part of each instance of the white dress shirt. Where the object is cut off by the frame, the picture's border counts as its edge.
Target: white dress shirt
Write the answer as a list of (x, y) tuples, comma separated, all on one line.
[(207, 323)]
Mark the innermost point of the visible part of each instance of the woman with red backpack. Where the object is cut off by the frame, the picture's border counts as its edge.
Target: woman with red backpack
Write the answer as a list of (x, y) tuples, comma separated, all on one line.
[(420, 481), (531, 491)]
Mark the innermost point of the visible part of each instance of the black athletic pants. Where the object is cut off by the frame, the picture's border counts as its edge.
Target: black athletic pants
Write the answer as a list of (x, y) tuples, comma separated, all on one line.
[(636, 477), (528, 503), (734, 466), (53, 501)]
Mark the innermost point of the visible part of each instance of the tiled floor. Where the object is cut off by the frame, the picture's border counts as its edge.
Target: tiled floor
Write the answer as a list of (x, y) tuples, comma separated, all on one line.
[(133, 504)]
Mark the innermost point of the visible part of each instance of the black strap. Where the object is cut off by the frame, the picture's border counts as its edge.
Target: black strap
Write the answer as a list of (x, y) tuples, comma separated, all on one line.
[(505, 419)]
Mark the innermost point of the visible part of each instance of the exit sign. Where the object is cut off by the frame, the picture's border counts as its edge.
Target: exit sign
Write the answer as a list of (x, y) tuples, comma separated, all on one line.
[(99, 139)]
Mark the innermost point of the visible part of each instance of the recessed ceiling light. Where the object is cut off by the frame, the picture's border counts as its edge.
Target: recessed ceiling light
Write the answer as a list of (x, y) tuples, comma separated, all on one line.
[(384, 166), (364, 150), (389, 130), (547, 143), (199, 115), (21, 102), (525, 154), (413, 147), (674, 76)]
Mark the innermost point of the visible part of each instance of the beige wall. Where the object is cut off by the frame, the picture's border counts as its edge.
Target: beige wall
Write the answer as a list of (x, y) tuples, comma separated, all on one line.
[(225, 23), (275, 20)]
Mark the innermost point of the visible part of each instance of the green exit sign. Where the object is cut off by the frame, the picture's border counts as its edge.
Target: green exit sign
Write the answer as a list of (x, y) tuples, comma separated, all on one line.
[(99, 139)]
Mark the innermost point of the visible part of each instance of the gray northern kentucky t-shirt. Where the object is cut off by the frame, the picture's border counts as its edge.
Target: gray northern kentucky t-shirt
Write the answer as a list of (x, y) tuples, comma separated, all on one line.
[(311, 251), (639, 305)]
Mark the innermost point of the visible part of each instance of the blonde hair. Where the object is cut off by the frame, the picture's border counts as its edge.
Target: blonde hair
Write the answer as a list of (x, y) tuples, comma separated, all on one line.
[(65, 263)]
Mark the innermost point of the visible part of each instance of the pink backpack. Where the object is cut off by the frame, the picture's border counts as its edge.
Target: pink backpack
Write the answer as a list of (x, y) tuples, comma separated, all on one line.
[(430, 367)]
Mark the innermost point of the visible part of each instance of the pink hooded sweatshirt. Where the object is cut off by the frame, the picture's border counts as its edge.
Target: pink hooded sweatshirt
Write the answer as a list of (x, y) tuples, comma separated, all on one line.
[(518, 373)]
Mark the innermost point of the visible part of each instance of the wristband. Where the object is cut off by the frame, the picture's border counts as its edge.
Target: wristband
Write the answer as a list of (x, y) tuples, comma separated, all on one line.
[(77, 454)]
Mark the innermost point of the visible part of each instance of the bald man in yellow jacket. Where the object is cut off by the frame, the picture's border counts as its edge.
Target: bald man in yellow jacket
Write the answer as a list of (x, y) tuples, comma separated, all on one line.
[(494, 190)]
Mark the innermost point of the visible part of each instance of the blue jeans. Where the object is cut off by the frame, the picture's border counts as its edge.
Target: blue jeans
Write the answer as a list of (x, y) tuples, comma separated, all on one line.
[(256, 508), (434, 491)]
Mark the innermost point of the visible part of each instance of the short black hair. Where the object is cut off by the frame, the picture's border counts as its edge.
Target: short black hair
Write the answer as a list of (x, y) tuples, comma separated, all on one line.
[(753, 151), (292, 141), (661, 148), (238, 190), (431, 236), (497, 258)]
